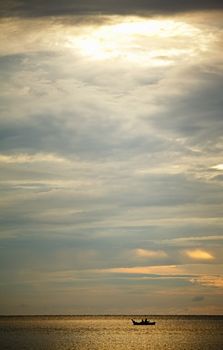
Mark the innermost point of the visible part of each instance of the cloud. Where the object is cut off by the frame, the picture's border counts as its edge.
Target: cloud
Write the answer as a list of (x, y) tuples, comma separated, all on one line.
[(209, 281), (192, 119), (191, 240), (88, 7), (30, 158), (145, 253), (199, 254), (159, 270)]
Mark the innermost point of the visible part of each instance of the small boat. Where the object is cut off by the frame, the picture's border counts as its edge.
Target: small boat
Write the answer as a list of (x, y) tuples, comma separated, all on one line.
[(143, 323)]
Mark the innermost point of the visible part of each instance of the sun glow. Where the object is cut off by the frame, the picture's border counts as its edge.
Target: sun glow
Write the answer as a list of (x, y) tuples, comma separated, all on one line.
[(217, 167), (153, 42)]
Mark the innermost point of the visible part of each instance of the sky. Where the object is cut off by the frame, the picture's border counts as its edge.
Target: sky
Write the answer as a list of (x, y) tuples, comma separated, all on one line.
[(111, 157)]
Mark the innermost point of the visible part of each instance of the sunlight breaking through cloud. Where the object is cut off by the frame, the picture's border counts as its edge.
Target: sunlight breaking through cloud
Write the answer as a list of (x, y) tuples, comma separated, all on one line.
[(218, 167), (141, 41)]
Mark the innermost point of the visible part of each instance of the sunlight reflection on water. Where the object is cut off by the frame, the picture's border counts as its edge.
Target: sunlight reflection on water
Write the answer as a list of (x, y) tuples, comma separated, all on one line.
[(83, 333)]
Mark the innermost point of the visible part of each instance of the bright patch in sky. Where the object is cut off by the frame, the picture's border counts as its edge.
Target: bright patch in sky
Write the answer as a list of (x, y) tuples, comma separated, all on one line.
[(143, 253), (218, 167), (30, 158), (140, 41), (199, 254), (216, 281), (160, 270)]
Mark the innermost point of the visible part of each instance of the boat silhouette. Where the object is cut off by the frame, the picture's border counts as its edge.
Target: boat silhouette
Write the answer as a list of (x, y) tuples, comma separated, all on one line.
[(143, 323)]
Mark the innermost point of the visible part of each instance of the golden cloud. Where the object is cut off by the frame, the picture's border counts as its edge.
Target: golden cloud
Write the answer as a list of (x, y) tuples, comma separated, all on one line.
[(199, 254), (143, 253), (213, 281), (157, 270)]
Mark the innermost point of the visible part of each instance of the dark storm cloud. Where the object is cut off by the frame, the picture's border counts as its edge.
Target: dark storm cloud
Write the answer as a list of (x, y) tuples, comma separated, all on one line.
[(42, 8)]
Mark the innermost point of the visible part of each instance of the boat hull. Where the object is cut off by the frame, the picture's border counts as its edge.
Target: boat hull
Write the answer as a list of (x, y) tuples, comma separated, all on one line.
[(143, 323)]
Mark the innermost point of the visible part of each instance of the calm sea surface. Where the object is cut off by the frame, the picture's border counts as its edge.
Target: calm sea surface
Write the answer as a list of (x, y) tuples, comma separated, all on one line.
[(110, 332)]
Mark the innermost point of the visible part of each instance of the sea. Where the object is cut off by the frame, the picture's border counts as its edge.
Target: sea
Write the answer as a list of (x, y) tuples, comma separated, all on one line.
[(110, 332)]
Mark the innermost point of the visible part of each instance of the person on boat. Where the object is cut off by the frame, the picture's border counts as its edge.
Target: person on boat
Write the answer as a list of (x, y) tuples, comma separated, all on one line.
[(144, 321)]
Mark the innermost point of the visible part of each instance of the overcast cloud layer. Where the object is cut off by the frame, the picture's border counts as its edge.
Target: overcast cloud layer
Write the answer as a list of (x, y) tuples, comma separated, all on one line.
[(88, 7), (111, 157)]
